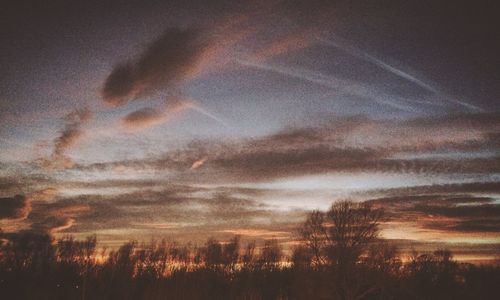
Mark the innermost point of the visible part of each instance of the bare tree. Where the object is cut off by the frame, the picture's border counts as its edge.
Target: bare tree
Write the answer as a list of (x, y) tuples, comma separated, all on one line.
[(248, 257), (353, 227), (271, 253), (341, 235), (302, 257), (213, 253), (231, 252), (338, 239)]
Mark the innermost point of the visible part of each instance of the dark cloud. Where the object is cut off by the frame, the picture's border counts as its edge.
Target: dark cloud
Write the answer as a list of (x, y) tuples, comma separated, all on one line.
[(471, 218), (148, 117), (443, 199), (477, 225), (114, 183), (492, 187), (56, 216), (360, 144), (171, 210), (17, 207), (455, 211), (352, 144), (444, 213), (176, 55), (272, 163), (142, 116), (7, 183), (241, 163)]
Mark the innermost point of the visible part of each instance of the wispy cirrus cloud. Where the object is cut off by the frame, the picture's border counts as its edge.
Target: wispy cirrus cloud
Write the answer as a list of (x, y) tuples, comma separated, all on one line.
[(71, 134), (72, 131)]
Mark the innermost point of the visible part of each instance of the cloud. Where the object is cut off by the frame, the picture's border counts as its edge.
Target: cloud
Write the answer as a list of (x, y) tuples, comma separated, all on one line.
[(291, 42), (424, 190), (52, 224), (439, 145), (112, 183), (17, 207), (56, 215), (17, 211), (274, 163), (72, 131), (196, 211), (197, 164), (175, 56), (149, 117), (69, 137), (8, 182), (459, 213), (257, 232)]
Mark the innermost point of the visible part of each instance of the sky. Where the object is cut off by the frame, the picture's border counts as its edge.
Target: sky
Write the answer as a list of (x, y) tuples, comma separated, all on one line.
[(190, 119)]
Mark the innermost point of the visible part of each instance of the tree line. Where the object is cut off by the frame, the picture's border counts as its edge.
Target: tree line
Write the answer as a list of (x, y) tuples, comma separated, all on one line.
[(340, 256)]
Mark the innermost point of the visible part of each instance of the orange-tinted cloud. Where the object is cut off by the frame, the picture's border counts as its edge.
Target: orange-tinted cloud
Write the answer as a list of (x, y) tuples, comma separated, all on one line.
[(291, 42), (443, 214), (52, 224), (198, 163), (149, 117), (257, 232)]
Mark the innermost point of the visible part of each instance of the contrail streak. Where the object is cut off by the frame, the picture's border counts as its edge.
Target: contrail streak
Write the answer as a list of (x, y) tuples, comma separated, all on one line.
[(342, 45), (367, 57), (346, 86), (204, 112)]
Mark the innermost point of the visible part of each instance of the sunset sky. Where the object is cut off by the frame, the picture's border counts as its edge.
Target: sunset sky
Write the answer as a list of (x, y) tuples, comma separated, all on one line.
[(190, 119)]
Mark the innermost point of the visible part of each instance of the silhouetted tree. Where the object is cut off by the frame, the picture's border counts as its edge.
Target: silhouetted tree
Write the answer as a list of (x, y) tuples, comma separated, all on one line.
[(36, 266), (231, 252), (213, 253), (271, 253), (342, 234), (338, 238), (435, 275), (302, 257)]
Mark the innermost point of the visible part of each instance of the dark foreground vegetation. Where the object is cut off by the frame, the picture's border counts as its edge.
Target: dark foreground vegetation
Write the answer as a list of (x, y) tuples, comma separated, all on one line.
[(340, 257)]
